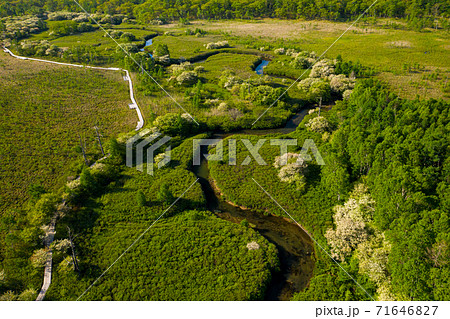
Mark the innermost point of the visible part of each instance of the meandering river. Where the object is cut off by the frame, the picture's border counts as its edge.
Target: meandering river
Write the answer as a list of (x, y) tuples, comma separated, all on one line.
[(295, 247)]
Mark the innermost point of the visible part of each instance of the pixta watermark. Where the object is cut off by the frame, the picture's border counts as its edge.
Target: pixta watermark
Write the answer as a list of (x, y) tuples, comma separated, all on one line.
[(144, 141), (142, 147)]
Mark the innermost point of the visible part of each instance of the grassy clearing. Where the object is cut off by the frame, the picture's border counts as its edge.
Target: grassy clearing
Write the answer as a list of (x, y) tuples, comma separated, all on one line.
[(186, 46), (44, 108), (241, 65)]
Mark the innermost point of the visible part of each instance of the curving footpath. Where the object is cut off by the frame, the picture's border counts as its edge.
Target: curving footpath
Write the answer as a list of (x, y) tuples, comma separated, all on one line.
[(133, 105)]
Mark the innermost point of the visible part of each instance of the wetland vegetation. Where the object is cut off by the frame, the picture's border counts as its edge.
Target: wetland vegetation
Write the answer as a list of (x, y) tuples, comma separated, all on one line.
[(376, 106)]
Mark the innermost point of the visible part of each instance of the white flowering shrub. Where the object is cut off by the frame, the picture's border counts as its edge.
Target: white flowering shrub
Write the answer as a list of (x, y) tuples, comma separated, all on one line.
[(222, 107), (314, 89), (157, 22), (97, 167), (217, 45), (384, 292), (322, 69), (302, 62), (129, 47), (341, 83), (305, 84), (280, 51), (224, 110), (63, 15), (253, 245), (211, 102), (187, 78), (229, 81), (112, 19), (72, 185), (350, 220), (291, 52), (165, 59), (346, 94), (75, 16), (81, 18), (287, 158), (53, 51), (373, 258), (292, 168), (234, 114), (317, 124), (85, 27), (187, 117), (128, 36), (199, 69), (115, 34), (40, 48), (177, 69), (23, 26)]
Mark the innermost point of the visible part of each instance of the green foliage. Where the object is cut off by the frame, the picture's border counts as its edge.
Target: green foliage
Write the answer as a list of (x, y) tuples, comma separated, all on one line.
[(420, 13), (244, 223), (195, 245), (140, 198), (161, 50), (128, 36), (43, 210), (87, 181), (165, 195), (175, 124), (195, 255), (400, 148), (36, 190), (62, 28)]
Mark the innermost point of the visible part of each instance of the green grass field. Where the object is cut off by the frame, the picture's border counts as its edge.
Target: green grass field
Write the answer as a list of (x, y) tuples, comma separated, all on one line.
[(239, 64), (44, 110)]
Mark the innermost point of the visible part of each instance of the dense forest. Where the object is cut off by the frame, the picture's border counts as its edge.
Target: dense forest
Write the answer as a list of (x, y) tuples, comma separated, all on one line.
[(386, 173), (421, 11)]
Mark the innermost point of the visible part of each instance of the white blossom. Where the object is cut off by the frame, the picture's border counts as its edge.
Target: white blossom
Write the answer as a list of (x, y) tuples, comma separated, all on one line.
[(280, 51), (340, 83), (322, 69), (350, 220), (253, 245), (317, 124)]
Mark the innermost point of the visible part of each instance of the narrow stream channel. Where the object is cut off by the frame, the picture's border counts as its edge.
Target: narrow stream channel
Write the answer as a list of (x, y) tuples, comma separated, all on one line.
[(148, 43), (295, 248), (260, 68)]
